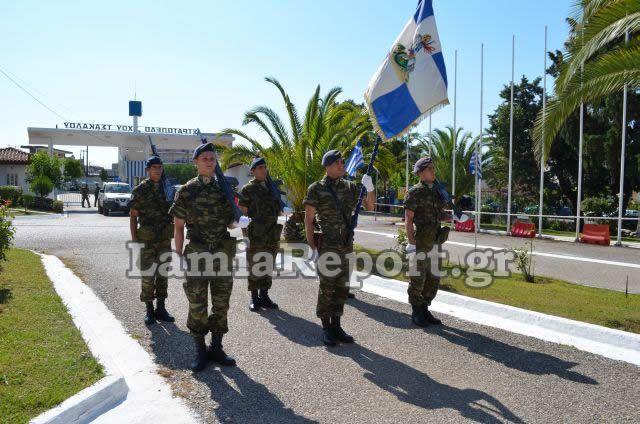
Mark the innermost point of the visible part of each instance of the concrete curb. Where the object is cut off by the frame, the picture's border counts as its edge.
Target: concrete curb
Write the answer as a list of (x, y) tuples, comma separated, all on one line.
[(88, 404), (614, 344), (31, 217)]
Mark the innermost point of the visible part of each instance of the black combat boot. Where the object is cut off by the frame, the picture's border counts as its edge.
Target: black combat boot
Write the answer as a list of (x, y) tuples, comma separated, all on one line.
[(254, 306), (216, 354), (351, 295), (265, 301), (161, 312), (328, 333), (418, 317), (200, 360), (428, 316), (341, 335), (150, 317)]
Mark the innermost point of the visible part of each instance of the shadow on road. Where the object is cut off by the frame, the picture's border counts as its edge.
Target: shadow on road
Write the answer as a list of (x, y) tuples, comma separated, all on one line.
[(406, 383), (247, 402), (531, 362)]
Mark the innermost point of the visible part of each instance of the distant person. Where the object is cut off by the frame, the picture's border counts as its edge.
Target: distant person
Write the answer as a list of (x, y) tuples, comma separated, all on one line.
[(96, 192), (84, 191)]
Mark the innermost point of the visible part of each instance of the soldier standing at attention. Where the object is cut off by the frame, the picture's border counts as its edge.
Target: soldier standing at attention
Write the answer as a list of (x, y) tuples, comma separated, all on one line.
[(334, 200), (84, 192), (263, 234), (151, 224), (424, 207), (202, 206)]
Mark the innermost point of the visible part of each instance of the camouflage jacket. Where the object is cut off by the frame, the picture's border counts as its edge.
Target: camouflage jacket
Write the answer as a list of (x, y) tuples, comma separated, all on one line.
[(331, 221), (264, 210), (154, 221), (427, 205), (205, 209)]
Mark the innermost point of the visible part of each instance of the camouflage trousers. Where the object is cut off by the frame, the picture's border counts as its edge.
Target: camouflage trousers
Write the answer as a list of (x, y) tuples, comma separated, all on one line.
[(153, 287), (334, 290), (199, 320), (424, 287), (261, 257)]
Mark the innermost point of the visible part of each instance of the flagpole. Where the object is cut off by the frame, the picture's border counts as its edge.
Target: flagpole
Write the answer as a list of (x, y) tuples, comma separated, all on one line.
[(513, 62), (581, 140), (455, 105), (406, 182), (429, 135), (544, 108), (478, 163), (622, 154)]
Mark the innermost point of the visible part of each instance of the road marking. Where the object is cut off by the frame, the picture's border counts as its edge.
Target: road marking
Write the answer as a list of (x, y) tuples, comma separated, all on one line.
[(549, 255)]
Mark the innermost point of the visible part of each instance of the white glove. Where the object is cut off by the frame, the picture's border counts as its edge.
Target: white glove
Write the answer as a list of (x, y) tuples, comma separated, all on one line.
[(410, 248), (184, 264), (315, 255), (243, 222), (367, 182), (287, 210), (246, 240)]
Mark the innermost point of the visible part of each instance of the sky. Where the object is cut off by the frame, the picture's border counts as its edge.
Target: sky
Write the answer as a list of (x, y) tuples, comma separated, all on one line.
[(202, 64)]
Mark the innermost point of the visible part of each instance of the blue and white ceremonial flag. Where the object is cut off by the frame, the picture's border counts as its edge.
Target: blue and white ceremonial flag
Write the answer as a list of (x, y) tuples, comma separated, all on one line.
[(411, 83), (475, 166), (355, 161)]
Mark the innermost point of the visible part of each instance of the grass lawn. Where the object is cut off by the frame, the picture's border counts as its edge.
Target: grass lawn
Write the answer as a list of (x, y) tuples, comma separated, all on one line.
[(554, 297), (43, 358)]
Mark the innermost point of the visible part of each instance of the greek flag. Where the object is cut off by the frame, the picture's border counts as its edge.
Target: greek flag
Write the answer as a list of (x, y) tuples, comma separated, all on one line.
[(355, 161), (411, 83), (475, 165)]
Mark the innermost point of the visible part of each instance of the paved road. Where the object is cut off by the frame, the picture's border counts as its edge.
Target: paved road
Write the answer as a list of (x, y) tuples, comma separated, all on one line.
[(592, 265), (461, 372)]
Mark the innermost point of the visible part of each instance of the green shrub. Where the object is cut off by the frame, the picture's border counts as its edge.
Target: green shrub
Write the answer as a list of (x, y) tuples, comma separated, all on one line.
[(28, 200), (598, 206), (58, 206), (7, 231), (10, 192), (41, 185)]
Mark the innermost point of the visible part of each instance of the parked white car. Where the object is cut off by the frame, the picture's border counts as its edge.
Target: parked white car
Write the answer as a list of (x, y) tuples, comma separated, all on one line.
[(114, 197)]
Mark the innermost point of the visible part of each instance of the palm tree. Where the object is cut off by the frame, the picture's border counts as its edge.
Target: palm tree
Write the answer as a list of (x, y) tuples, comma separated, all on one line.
[(597, 43), (294, 152), (441, 151)]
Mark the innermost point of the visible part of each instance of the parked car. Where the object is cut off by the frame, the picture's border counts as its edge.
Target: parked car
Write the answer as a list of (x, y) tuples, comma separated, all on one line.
[(114, 197)]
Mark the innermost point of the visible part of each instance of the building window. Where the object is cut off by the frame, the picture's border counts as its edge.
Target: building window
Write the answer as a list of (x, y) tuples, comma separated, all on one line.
[(12, 179)]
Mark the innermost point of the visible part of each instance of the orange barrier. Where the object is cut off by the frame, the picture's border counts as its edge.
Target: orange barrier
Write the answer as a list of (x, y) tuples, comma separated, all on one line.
[(468, 226), (596, 233), (523, 229)]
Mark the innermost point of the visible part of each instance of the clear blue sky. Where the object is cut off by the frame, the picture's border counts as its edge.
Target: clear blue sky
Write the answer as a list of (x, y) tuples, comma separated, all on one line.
[(202, 64)]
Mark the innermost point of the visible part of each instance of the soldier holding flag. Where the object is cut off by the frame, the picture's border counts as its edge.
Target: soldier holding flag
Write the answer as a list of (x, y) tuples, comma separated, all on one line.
[(333, 199)]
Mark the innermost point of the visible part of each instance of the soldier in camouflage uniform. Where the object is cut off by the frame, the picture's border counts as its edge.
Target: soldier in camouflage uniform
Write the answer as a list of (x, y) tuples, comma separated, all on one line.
[(202, 206), (334, 200), (258, 203), (424, 207), (151, 224), (84, 192)]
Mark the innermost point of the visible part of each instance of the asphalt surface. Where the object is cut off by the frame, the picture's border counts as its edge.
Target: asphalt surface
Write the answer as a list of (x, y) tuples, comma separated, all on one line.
[(460, 372)]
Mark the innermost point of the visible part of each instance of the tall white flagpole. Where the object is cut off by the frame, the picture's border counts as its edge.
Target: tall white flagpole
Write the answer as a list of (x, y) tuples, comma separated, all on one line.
[(429, 135), (513, 65), (580, 143), (406, 184), (478, 161), (622, 154), (544, 108), (455, 130)]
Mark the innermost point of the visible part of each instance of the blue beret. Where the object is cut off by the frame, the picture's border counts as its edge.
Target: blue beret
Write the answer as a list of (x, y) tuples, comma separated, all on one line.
[(257, 161), (153, 160), (207, 147), (422, 163), (330, 157)]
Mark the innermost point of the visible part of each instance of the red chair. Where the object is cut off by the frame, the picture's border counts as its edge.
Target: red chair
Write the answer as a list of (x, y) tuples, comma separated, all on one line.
[(596, 233)]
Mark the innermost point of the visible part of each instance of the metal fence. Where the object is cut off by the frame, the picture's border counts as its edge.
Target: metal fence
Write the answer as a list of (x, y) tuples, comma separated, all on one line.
[(72, 198)]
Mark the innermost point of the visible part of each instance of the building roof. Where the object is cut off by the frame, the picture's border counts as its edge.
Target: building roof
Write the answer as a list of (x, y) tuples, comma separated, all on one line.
[(11, 155)]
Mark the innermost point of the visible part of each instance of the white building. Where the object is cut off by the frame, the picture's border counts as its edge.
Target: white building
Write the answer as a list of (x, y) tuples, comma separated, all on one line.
[(13, 164)]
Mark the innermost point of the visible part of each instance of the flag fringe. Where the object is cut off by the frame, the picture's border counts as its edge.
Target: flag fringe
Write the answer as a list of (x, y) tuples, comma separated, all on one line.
[(378, 129)]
